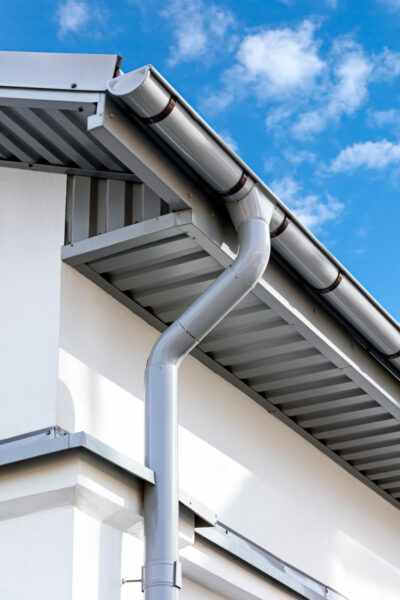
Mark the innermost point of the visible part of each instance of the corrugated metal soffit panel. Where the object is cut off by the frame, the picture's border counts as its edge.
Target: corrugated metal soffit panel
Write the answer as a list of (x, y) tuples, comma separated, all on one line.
[(158, 266)]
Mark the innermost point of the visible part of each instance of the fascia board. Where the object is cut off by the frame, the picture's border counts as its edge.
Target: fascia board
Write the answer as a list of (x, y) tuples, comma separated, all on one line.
[(133, 147), (52, 99), (57, 71)]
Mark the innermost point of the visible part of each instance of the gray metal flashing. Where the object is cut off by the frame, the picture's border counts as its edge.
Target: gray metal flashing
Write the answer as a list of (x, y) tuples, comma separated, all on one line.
[(156, 244), (266, 563), (52, 440), (53, 71)]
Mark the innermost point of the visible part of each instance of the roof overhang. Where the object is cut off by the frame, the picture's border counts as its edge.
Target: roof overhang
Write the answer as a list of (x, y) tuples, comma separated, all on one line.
[(54, 71), (49, 124)]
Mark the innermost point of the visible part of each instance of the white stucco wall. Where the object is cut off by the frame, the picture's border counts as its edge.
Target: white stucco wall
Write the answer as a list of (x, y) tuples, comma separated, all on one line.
[(35, 555), (263, 480), (32, 208)]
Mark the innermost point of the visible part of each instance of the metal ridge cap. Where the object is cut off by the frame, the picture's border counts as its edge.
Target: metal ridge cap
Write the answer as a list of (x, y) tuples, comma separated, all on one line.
[(273, 196)]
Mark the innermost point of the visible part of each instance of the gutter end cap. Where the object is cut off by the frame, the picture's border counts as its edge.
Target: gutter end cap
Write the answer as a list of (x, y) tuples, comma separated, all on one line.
[(128, 82)]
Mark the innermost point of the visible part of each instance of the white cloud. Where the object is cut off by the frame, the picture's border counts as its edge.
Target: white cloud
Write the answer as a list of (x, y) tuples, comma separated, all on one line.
[(197, 28), (280, 60), (72, 16), (371, 155), (278, 115), (387, 65), (345, 93), (384, 118), (272, 63), (310, 209), (298, 157)]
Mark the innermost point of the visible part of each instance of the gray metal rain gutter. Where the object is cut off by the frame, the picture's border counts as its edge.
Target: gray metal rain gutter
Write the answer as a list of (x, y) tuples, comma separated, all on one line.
[(251, 212), (302, 251)]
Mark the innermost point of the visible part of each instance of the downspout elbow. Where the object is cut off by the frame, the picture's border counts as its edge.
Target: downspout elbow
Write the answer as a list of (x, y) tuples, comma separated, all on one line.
[(251, 217)]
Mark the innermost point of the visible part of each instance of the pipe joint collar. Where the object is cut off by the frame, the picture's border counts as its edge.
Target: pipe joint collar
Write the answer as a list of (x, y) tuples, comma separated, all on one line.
[(253, 206), (168, 573), (174, 344)]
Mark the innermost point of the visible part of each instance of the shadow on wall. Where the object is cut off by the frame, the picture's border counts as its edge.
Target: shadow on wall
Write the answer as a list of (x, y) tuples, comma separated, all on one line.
[(262, 479), (102, 357), (65, 407)]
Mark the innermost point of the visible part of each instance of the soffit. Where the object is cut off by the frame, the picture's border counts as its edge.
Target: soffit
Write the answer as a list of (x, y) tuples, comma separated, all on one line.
[(265, 347)]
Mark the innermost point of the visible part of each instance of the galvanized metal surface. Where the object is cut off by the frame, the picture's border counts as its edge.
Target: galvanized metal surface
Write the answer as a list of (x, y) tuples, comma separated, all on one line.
[(162, 265), (52, 440), (267, 564), (53, 71), (55, 137)]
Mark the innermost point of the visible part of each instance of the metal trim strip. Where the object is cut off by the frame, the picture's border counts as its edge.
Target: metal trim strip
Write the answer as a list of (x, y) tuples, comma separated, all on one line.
[(266, 563)]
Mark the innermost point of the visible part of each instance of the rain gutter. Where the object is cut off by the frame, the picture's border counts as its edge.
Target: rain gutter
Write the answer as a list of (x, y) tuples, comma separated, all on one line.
[(258, 217), (251, 213)]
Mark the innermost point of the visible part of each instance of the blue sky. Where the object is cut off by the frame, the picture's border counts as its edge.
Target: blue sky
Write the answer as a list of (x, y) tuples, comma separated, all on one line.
[(307, 92)]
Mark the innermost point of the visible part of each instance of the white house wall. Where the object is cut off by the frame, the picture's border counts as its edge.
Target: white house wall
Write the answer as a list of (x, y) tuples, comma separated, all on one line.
[(32, 208), (263, 480)]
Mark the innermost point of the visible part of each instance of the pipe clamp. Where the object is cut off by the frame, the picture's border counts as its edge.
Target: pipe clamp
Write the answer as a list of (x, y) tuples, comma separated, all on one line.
[(162, 573)]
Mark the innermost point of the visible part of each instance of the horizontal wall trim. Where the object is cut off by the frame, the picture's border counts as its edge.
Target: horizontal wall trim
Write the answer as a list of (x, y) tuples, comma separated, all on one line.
[(262, 561), (54, 440)]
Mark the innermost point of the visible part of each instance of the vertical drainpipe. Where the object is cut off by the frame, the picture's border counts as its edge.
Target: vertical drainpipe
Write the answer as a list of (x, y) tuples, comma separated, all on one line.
[(162, 572), (157, 107)]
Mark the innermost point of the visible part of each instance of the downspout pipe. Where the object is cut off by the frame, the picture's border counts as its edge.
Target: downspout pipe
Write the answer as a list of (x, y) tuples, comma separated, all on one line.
[(162, 573), (251, 212)]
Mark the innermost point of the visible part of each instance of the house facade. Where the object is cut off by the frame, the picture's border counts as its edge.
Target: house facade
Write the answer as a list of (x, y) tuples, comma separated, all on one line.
[(288, 410)]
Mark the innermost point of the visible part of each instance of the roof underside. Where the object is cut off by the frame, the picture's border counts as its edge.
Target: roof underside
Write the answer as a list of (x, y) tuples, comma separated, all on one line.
[(53, 137), (161, 265)]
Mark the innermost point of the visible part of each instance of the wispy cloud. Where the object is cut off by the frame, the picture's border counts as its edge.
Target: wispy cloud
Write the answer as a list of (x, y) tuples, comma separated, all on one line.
[(298, 157), (370, 155), (385, 118), (391, 4), (387, 65), (72, 15), (81, 17), (272, 63), (312, 210), (304, 89), (198, 29), (345, 92)]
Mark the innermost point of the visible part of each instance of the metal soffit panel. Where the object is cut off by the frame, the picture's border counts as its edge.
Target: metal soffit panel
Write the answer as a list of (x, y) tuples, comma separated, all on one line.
[(53, 137), (158, 267)]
